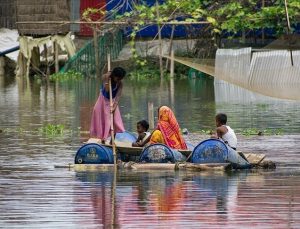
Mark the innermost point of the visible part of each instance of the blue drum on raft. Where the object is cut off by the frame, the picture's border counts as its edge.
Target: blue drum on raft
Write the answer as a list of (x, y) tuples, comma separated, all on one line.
[(216, 151), (160, 153), (93, 153)]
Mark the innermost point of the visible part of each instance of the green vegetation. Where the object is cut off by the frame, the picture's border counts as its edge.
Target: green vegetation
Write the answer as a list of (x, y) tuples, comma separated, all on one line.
[(52, 129), (223, 16), (254, 131), (234, 18), (49, 130), (145, 73), (249, 132), (67, 76)]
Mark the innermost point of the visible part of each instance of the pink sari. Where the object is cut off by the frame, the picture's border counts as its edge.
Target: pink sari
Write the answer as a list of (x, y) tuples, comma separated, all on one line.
[(167, 131), (100, 123)]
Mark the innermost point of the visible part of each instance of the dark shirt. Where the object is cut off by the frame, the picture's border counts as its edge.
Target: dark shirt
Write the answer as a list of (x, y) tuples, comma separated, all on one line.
[(115, 89)]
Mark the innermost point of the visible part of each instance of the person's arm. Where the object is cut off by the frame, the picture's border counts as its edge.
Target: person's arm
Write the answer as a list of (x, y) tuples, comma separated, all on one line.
[(213, 134), (142, 144), (221, 130), (140, 138)]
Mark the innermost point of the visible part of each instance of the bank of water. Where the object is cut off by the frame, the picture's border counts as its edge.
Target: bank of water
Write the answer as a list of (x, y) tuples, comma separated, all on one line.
[(35, 195)]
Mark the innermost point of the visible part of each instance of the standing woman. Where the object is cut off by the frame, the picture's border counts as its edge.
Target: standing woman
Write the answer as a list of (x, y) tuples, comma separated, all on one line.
[(100, 123)]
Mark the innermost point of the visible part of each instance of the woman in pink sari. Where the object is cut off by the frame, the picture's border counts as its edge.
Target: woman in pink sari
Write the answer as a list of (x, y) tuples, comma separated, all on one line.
[(100, 123)]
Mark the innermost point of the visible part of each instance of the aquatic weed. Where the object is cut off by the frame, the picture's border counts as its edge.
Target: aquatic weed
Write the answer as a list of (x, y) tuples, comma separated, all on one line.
[(52, 129), (255, 131)]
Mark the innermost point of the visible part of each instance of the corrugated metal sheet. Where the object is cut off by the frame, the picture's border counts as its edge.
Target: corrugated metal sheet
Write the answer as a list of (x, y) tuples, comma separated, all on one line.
[(85, 30), (269, 73)]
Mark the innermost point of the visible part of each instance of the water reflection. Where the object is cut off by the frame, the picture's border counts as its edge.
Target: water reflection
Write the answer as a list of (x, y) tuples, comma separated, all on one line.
[(182, 199)]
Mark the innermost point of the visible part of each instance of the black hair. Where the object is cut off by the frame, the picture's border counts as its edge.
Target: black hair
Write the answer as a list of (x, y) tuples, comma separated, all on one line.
[(144, 124), (118, 72), (222, 118)]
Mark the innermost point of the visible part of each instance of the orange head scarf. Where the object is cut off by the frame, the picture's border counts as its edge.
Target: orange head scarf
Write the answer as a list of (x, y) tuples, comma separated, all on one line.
[(169, 128)]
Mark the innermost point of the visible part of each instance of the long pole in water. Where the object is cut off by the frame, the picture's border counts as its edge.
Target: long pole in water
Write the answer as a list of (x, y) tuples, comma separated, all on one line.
[(114, 183), (111, 114)]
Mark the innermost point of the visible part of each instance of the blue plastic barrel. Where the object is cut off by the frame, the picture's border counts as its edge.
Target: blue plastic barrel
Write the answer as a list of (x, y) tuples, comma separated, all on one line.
[(93, 153), (216, 151), (160, 153), (210, 151)]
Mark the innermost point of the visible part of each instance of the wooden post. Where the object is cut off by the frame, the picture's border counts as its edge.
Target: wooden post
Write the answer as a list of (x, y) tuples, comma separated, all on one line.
[(172, 64), (56, 56), (171, 44), (151, 115), (172, 91), (160, 42), (46, 60), (111, 115), (96, 49)]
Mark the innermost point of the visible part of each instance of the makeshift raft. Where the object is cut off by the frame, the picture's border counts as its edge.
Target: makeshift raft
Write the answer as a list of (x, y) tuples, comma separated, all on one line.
[(211, 154)]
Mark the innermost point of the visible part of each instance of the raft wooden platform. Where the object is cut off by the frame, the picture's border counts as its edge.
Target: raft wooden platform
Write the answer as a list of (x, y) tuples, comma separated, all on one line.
[(146, 166), (128, 149), (86, 167)]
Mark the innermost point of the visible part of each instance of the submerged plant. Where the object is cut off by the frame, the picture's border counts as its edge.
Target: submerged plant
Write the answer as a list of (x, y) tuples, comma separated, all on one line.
[(52, 130), (145, 73), (255, 131)]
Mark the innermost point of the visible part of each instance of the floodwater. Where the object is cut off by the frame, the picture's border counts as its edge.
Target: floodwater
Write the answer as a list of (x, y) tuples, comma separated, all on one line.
[(34, 194)]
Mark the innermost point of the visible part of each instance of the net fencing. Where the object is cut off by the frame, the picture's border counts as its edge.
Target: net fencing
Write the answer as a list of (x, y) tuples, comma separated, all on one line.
[(84, 60)]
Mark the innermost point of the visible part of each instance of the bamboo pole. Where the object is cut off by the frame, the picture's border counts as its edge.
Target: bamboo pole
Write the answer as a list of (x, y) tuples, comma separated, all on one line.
[(56, 57), (151, 115), (287, 17), (111, 22), (172, 64), (172, 87), (288, 28), (96, 49), (111, 114), (171, 44), (160, 42)]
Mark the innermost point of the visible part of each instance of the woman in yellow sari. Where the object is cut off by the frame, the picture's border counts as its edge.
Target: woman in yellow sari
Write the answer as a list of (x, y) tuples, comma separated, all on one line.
[(167, 131)]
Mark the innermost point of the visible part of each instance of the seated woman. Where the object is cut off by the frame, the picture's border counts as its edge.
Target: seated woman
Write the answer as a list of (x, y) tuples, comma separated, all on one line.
[(167, 131)]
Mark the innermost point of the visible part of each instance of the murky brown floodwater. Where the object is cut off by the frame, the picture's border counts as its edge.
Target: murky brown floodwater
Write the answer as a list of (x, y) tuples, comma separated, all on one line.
[(35, 195)]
